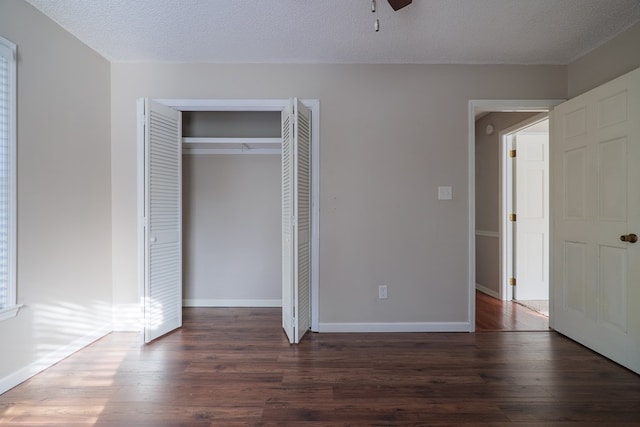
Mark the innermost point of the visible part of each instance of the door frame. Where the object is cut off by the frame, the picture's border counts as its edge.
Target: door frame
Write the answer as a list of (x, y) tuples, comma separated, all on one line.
[(474, 107), (252, 105), (505, 201)]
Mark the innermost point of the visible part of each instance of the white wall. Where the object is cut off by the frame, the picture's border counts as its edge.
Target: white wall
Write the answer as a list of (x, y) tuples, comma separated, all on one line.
[(64, 194), (390, 135), (232, 229)]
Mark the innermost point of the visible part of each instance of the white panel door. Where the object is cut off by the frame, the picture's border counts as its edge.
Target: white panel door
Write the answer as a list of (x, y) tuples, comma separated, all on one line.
[(162, 220), (296, 220), (532, 224), (596, 275)]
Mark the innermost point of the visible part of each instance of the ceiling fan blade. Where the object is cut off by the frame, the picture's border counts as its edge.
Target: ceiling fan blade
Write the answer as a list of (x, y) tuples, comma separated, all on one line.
[(399, 4)]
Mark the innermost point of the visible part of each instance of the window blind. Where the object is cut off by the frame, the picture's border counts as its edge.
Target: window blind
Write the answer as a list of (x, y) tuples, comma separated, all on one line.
[(7, 294), (4, 142)]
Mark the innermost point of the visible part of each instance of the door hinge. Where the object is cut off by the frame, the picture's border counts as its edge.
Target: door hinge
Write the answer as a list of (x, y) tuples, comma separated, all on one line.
[(512, 153), (512, 217), (512, 281)]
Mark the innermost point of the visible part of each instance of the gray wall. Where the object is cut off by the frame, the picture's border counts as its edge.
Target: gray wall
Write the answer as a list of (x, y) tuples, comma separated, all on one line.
[(232, 229), (487, 196), (64, 192), (613, 59), (390, 135)]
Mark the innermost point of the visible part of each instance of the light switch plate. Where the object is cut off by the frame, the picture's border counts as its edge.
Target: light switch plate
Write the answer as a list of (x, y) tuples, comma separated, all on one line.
[(445, 193)]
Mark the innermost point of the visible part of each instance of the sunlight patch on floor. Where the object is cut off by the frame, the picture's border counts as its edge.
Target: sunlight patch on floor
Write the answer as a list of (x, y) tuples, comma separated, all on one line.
[(541, 306)]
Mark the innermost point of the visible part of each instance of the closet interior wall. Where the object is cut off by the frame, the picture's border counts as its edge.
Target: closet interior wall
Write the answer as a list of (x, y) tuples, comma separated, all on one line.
[(231, 209)]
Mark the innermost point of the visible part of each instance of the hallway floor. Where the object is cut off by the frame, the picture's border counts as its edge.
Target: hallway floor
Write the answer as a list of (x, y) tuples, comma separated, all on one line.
[(539, 305), (493, 314)]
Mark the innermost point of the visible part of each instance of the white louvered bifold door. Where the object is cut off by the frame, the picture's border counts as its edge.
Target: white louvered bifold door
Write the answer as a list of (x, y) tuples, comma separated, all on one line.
[(287, 223), (296, 220), (163, 218), (302, 266)]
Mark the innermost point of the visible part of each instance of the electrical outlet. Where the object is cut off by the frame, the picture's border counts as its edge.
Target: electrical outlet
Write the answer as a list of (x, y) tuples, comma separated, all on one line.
[(445, 193), (382, 292)]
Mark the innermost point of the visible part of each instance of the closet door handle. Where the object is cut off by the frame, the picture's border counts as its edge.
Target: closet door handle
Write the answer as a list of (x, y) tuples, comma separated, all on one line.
[(631, 238), (153, 239)]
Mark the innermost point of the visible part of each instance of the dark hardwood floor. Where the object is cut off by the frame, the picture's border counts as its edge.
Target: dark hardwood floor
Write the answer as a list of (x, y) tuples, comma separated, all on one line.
[(234, 367), (495, 315)]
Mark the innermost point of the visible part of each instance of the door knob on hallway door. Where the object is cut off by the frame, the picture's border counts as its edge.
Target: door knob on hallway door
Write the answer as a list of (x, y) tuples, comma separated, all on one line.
[(631, 238)]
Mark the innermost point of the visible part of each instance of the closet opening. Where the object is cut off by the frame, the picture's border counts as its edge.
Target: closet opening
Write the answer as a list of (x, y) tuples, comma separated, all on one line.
[(231, 209)]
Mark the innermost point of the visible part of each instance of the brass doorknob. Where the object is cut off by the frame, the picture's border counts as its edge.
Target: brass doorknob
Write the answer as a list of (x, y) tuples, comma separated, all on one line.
[(631, 238)]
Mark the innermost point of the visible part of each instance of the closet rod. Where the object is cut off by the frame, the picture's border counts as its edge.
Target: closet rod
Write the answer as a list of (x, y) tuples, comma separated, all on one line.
[(198, 140), (190, 151)]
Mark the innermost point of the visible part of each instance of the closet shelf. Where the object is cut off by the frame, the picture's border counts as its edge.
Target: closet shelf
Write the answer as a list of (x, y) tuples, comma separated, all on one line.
[(196, 145)]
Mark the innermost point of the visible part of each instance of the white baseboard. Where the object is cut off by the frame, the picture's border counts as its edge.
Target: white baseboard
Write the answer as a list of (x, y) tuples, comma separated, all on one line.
[(487, 291), (232, 303), (51, 359), (485, 233), (396, 327), (127, 318)]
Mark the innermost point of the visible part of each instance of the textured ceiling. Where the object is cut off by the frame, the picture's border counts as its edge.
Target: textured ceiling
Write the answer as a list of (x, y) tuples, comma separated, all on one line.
[(333, 31)]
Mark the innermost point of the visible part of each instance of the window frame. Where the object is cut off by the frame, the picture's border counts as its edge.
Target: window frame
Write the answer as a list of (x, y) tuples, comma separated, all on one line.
[(8, 50)]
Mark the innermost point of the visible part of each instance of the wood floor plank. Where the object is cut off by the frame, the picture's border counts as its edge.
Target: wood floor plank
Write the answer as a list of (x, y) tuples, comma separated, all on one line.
[(234, 367)]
